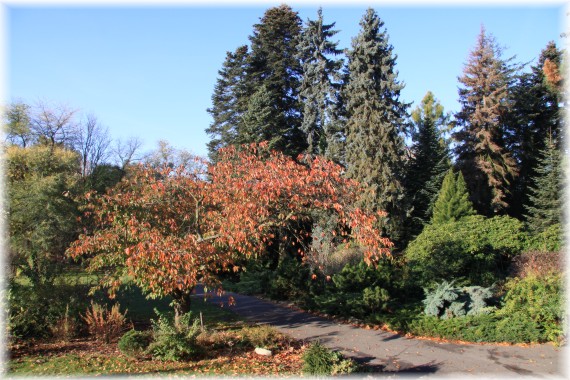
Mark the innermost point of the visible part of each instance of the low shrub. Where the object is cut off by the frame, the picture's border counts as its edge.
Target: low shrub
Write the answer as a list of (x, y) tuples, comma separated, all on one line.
[(263, 336), (105, 325), (535, 300), (473, 250), (290, 280), (549, 240), (218, 339), (134, 343), (531, 312), (447, 301), (319, 360), (175, 341), (38, 312), (474, 328), (358, 290), (65, 328), (518, 328)]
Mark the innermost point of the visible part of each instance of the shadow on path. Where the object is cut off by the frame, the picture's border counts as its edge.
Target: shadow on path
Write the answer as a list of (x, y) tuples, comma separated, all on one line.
[(381, 351)]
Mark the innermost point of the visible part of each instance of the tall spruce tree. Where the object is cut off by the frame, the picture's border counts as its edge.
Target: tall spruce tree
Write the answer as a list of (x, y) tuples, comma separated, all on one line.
[(273, 63), (257, 122), (429, 162), (537, 113), (319, 86), (545, 200), (229, 101), (453, 200), (375, 122), (481, 155)]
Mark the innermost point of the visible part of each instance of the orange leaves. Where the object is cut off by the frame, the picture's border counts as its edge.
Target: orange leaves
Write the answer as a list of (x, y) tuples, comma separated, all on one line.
[(168, 228)]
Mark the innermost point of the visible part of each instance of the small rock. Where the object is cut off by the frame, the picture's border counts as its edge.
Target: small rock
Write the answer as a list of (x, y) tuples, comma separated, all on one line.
[(262, 351)]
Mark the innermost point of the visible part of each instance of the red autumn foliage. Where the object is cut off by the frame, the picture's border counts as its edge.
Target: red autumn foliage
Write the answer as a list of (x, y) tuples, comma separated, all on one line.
[(168, 229)]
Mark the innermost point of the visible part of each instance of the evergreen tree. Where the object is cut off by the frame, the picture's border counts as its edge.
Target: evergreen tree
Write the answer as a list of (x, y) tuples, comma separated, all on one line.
[(319, 85), (545, 199), (429, 162), (17, 124), (453, 200), (229, 101), (273, 63), (375, 122), (537, 112), (258, 123), (481, 153)]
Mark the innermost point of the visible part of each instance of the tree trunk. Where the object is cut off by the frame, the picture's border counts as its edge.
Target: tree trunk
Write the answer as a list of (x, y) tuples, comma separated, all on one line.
[(182, 299)]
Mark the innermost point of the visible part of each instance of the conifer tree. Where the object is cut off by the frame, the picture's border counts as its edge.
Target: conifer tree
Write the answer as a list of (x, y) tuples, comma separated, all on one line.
[(375, 122), (229, 101), (258, 124), (319, 86), (273, 63), (429, 162), (537, 113), (481, 153), (453, 200), (545, 199)]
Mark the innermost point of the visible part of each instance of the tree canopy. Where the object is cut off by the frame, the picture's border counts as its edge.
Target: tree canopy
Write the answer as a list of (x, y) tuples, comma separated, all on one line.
[(168, 229)]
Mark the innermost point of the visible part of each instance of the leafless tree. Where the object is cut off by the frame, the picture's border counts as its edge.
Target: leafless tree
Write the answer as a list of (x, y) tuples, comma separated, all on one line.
[(166, 154), (126, 152), (53, 124), (92, 141)]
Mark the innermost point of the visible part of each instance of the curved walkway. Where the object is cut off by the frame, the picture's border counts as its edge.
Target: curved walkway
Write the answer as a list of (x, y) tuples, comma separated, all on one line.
[(393, 353)]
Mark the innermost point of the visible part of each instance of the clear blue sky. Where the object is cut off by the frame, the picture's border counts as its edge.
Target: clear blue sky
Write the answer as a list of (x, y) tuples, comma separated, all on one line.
[(150, 71)]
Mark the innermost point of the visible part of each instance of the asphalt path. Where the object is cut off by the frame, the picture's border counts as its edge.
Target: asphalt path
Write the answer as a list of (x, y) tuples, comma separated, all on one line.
[(390, 353)]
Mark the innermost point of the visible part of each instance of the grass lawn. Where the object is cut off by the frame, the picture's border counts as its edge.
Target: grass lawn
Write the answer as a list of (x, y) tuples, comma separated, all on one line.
[(84, 357), (226, 351)]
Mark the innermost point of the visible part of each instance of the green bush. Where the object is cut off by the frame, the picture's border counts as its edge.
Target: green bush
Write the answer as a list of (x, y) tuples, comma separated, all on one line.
[(38, 311), (290, 280), (535, 300), (518, 328), (134, 343), (175, 341), (473, 250), (319, 360), (358, 290), (531, 312), (475, 328), (549, 240), (447, 301)]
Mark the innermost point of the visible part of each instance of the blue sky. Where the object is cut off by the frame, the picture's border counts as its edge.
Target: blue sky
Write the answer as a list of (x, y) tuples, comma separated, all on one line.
[(150, 71)]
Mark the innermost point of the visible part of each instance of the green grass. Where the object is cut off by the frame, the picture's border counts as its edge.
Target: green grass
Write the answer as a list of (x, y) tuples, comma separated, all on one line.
[(97, 364)]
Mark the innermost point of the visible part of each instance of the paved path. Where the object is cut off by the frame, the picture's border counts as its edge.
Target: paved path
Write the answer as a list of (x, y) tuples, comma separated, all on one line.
[(392, 353)]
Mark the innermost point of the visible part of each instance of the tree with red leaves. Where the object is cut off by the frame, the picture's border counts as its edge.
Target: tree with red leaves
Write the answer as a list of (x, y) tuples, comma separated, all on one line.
[(166, 230)]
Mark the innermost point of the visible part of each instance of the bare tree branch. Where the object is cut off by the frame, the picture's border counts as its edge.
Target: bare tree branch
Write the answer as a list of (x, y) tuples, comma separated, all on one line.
[(126, 151), (92, 141), (53, 124)]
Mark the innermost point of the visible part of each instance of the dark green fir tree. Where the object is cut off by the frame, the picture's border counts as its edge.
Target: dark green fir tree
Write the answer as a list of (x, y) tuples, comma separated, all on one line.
[(537, 112), (229, 101), (453, 200), (273, 63), (320, 85), (376, 123), (429, 162), (545, 200), (258, 123)]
